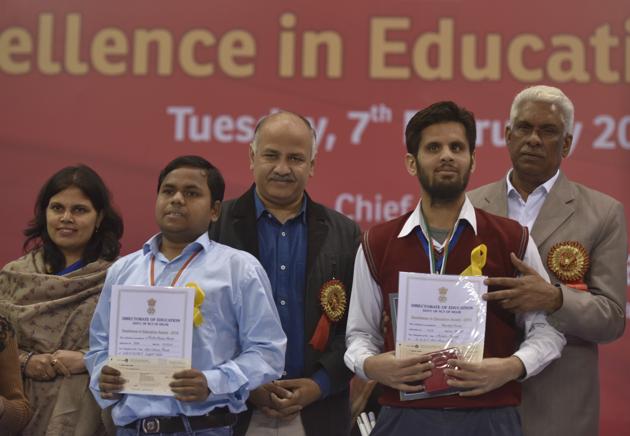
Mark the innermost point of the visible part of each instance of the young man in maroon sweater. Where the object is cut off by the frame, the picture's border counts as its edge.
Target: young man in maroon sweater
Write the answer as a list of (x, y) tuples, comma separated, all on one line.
[(440, 153)]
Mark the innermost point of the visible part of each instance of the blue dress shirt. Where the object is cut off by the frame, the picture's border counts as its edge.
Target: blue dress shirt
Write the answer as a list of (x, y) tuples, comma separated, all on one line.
[(282, 252), (239, 346)]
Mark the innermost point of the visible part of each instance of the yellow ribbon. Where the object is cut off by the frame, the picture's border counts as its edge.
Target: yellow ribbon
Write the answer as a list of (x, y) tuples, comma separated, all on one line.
[(477, 261), (199, 297)]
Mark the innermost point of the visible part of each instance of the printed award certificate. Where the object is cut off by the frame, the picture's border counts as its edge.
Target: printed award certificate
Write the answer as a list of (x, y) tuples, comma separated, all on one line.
[(150, 336), (434, 312)]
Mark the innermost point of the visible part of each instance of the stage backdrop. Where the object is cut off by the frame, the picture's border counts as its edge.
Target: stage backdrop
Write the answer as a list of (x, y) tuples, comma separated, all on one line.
[(126, 86)]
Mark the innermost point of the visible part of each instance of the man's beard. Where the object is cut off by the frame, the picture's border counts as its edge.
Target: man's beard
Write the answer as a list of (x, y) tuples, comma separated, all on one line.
[(443, 192)]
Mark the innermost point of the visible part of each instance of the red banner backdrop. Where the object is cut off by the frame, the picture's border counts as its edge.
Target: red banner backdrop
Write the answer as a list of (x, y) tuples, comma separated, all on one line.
[(126, 86)]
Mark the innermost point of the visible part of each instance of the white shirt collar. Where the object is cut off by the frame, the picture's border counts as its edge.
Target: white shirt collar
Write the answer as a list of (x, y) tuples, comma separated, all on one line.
[(467, 213), (546, 187)]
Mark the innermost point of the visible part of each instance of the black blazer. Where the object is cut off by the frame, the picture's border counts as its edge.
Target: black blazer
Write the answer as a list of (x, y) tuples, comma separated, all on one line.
[(333, 240)]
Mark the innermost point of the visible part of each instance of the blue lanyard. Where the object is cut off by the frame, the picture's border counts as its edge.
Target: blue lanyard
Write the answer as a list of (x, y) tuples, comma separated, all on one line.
[(438, 265)]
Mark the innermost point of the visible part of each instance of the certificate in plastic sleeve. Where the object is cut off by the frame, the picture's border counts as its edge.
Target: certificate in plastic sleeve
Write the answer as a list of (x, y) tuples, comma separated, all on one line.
[(435, 312)]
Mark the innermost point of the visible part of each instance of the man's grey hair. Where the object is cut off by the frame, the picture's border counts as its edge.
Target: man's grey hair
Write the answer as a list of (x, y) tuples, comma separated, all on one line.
[(546, 94), (263, 120)]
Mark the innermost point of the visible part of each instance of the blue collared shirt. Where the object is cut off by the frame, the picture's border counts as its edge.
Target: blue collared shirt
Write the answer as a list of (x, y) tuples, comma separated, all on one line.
[(282, 252), (239, 346)]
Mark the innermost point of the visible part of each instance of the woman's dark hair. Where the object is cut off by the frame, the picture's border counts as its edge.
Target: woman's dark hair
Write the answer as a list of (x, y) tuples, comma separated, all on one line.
[(105, 241)]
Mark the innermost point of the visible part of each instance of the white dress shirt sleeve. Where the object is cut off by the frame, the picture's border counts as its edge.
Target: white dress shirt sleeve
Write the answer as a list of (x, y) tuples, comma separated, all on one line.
[(364, 337), (542, 343)]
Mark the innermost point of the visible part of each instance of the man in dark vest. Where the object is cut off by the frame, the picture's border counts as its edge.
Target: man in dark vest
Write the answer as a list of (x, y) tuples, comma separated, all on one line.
[(438, 237), (571, 221), (308, 253)]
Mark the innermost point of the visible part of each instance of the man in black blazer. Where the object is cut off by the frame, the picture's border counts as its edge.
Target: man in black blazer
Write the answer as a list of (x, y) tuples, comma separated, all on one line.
[(308, 252)]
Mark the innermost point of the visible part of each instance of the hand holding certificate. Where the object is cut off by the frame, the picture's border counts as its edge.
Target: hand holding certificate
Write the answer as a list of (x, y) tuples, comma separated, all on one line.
[(190, 385), (150, 336), (402, 374), (477, 378)]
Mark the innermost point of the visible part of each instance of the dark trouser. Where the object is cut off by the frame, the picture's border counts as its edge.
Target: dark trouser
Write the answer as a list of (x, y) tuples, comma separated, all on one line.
[(393, 421)]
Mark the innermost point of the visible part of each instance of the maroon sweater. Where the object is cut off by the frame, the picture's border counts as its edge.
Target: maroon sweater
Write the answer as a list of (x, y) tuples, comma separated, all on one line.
[(387, 255)]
